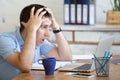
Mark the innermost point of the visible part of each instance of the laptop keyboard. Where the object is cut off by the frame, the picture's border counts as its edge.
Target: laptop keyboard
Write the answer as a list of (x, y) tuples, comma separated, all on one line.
[(83, 67)]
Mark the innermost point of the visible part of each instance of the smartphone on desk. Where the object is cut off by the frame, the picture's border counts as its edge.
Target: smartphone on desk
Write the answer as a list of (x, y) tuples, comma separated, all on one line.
[(81, 75)]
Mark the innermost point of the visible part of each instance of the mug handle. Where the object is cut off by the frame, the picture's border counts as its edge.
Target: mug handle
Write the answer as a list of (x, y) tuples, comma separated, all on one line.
[(39, 61)]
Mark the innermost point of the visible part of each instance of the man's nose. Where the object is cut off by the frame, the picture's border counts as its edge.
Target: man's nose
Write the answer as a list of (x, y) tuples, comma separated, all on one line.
[(47, 33)]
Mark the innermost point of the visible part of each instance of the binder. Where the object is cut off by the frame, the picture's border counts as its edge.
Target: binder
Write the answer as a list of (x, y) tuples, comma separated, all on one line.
[(92, 13), (66, 11), (79, 11), (72, 11), (85, 12), (75, 11)]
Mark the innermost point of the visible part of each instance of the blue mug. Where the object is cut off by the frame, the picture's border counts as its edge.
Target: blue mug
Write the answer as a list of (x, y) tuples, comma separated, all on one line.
[(49, 65)]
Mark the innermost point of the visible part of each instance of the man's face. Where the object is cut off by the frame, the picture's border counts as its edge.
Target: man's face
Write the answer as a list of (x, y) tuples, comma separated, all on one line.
[(43, 32)]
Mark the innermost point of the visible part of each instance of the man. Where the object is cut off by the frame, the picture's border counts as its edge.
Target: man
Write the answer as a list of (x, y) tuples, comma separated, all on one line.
[(19, 49)]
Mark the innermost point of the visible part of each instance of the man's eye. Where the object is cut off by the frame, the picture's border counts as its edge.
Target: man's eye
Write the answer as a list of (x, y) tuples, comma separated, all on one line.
[(43, 27), (46, 27)]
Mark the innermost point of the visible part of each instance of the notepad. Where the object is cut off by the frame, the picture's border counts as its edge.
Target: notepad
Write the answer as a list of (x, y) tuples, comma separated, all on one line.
[(59, 64)]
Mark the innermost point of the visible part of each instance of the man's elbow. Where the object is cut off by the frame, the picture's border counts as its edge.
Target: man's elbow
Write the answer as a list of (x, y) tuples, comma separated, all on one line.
[(26, 69)]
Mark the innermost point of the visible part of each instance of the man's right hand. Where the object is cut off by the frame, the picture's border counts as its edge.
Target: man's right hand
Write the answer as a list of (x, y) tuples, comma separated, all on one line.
[(35, 20)]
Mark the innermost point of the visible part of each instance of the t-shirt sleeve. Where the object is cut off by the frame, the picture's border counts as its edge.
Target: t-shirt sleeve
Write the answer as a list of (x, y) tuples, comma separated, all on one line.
[(46, 47), (7, 46)]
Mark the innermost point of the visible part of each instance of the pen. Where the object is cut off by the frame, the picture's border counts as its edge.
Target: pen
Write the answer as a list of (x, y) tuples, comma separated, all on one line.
[(102, 67), (97, 60), (103, 60), (106, 58)]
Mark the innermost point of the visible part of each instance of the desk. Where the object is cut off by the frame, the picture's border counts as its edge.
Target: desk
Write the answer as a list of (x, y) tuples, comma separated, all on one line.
[(40, 75)]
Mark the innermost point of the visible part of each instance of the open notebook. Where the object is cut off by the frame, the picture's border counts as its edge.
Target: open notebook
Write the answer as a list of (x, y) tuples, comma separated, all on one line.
[(59, 64)]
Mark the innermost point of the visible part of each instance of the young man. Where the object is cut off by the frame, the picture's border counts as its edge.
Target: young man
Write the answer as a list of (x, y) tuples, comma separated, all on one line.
[(19, 49)]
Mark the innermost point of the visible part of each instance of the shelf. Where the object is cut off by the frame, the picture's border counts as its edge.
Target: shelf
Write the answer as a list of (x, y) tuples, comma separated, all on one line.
[(87, 43), (92, 28)]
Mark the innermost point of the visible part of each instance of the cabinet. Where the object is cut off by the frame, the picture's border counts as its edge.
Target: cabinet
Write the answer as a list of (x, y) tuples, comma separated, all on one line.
[(83, 39)]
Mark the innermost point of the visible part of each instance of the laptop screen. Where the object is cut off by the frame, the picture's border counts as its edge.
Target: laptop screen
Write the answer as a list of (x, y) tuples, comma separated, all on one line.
[(104, 44)]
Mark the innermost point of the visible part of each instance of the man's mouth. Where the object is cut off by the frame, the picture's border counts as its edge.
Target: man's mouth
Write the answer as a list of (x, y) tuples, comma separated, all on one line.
[(43, 39)]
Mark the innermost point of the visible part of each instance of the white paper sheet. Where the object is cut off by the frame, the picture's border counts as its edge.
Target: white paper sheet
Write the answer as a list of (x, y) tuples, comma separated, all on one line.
[(76, 57)]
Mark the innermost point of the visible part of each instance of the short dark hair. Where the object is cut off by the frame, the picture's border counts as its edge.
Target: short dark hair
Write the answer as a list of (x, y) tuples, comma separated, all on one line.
[(25, 14)]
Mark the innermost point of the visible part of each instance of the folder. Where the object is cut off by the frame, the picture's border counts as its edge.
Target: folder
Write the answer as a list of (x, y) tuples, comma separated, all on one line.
[(75, 11), (66, 11), (85, 12), (79, 11), (72, 11), (92, 13)]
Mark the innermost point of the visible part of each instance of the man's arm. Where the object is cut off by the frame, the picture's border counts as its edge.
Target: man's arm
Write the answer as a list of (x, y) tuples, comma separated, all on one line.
[(62, 51), (24, 59)]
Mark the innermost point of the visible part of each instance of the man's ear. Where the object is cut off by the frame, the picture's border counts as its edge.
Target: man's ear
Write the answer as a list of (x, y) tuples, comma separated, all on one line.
[(23, 23)]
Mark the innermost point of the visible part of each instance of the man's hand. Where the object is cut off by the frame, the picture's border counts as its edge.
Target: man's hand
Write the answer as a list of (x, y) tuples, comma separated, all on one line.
[(35, 20), (54, 24)]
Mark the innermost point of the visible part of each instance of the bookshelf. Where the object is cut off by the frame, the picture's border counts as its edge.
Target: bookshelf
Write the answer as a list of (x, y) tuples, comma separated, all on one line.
[(89, 33)]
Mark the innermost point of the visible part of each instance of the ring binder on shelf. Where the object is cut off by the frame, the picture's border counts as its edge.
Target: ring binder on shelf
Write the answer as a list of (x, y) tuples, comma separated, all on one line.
[(85, 11), (92, 12), (66, 11), (81, 12), (72, 11)]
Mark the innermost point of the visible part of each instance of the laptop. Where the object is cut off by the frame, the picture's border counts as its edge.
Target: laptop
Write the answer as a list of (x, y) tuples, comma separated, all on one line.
[(104, 44)]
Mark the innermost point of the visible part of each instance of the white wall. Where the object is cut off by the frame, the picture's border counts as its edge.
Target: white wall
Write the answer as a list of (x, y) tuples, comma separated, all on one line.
[(10, 10)]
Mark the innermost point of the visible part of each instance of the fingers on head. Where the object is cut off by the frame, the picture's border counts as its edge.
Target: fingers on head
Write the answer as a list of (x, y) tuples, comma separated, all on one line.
[(40, 12), (32, 11)]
